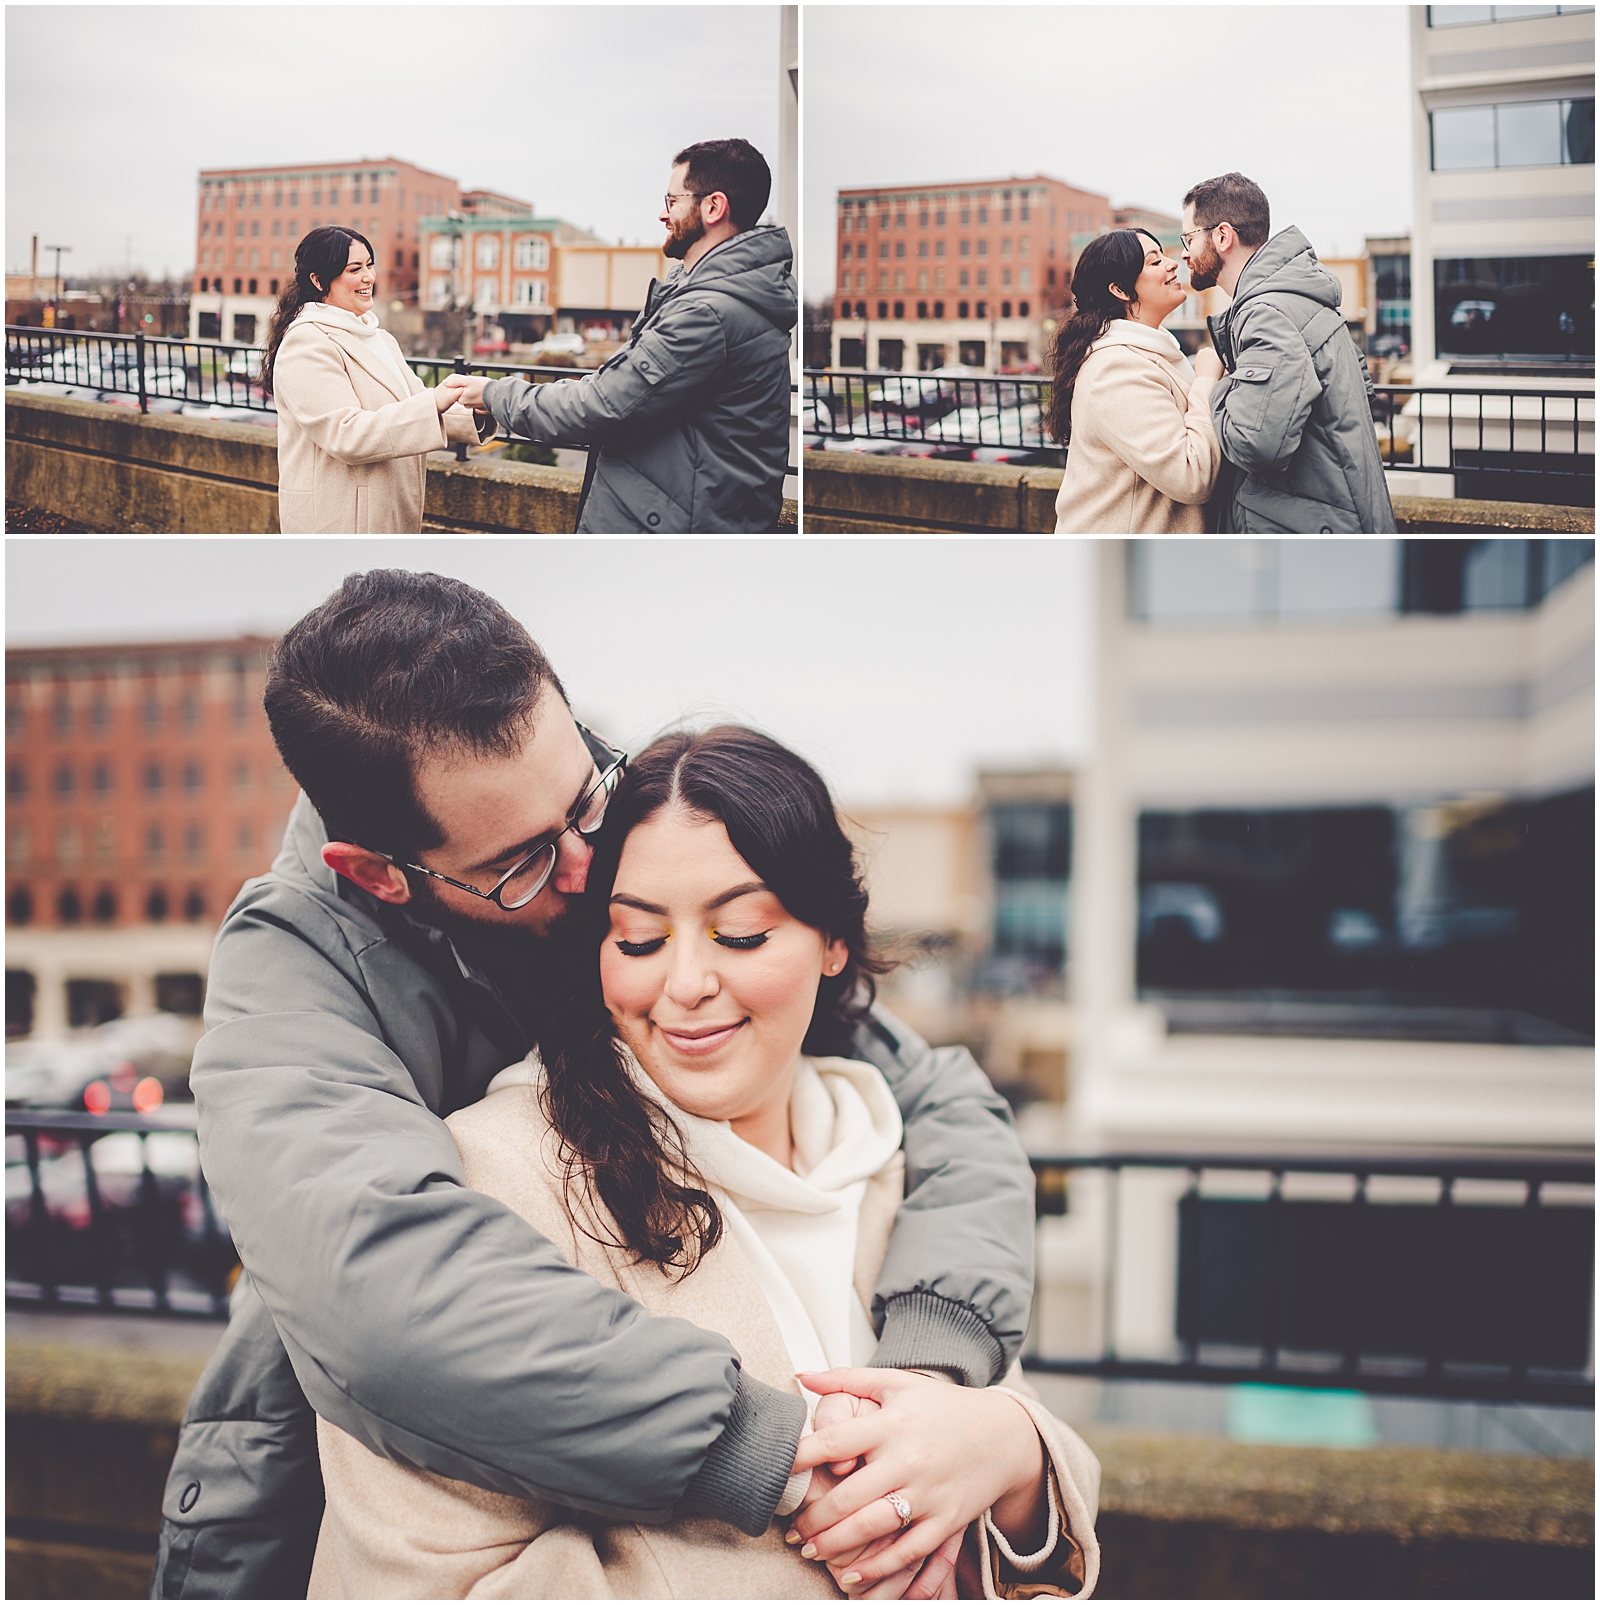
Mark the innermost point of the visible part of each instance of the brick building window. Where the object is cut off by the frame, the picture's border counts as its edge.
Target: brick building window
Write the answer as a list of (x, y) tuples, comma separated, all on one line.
[(66, 780), (104, 909), (16, 781), (69, 908), (191, 777), (155, 905), (155, 844), (99, 716), (153, 778), (194, 904), (19, 906)]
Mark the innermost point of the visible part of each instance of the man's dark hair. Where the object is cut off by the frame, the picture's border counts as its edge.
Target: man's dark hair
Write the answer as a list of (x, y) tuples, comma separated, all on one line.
[(735, 167), (1235, 199), (392, 667)]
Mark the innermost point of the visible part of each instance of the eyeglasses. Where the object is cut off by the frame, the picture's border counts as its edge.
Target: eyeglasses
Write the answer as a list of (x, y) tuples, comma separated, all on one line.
[(1203, 228), (528, 876), (687, 195)]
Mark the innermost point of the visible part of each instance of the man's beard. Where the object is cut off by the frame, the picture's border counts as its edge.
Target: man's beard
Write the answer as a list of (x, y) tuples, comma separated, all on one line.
[(1203, 270), (506, 944), (681, 238)]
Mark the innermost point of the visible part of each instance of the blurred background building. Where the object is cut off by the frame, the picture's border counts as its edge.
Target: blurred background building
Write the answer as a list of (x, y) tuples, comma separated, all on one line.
[(1503, 163), (142, 789)]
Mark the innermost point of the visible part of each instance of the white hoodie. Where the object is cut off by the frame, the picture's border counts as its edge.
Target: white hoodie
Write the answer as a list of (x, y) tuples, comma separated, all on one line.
[(380, 341)]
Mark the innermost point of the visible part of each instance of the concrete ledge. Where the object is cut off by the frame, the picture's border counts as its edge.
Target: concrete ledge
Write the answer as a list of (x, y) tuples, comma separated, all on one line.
[(91, 1431), (850, 494), (116, 470)]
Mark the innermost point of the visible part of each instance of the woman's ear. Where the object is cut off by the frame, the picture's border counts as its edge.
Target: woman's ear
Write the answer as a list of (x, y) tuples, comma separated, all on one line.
[(314, 285), (1119, 294), (835, 956)]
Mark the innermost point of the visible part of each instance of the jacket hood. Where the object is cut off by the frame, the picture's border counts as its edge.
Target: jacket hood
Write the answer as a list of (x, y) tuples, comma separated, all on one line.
[(755, 266), (1287, 265), (366, 325), (1130, 332)]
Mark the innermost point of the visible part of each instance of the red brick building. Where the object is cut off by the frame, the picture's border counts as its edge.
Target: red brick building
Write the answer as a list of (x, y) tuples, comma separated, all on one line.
[(142, 789), (934, 274), (249, 220)]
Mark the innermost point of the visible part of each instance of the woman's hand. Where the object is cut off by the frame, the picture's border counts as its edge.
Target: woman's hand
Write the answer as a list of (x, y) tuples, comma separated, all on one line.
[(448, 391), (1207, 364), (950, 1453)]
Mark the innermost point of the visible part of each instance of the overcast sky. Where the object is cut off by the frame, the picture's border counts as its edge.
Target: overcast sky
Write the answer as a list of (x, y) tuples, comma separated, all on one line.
[(899, 667), (111, 111), (1131, 101)]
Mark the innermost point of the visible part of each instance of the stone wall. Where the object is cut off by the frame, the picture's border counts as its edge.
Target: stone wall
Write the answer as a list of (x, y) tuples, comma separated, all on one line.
[(90, 1432), (846, 493), (113, 469)]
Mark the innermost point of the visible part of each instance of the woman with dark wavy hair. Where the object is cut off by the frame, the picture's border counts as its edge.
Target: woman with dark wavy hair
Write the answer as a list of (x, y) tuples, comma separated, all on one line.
[(690, 1135), (1134, 415), (355, 424)]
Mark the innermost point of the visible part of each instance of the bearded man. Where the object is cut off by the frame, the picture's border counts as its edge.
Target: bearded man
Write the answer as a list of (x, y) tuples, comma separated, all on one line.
[(687, 425), (1293, 412)]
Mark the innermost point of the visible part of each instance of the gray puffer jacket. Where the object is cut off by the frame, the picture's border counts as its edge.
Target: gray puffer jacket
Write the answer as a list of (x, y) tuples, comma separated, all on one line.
[(1293, 413), (691, 417), (433, 1323)]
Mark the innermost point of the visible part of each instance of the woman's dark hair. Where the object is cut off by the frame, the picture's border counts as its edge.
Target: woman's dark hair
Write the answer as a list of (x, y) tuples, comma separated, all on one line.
[(324, 252), (1110, 259), (781, 822)]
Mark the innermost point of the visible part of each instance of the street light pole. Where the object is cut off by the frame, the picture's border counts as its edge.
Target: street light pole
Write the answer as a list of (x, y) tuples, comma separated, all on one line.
[(58, 249)]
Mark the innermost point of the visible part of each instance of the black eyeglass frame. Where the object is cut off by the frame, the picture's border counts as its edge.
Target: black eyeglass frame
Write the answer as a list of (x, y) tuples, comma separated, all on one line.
[(1202, 228), (616, 762)]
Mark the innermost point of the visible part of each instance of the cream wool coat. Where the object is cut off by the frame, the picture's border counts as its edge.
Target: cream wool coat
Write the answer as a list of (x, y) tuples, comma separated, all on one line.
[(389, 1532), (353, 435), (1143, 456)]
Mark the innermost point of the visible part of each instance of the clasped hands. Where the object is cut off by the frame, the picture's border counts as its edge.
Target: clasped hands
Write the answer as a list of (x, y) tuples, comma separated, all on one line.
[(467, 388), (948, 1452)]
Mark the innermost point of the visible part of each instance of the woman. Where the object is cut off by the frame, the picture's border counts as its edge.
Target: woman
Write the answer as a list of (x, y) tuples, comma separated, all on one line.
[(690, 1140), (1143, 456), (355, 424)]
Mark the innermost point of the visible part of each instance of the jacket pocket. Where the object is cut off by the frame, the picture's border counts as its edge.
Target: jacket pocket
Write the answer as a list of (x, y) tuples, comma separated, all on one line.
[(1263, 509)]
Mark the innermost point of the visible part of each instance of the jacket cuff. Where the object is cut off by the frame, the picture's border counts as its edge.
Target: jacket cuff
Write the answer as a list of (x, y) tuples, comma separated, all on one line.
[(926, 1329), (743, 1476)]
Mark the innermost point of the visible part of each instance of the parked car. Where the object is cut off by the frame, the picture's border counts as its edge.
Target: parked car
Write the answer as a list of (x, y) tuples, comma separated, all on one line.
[(571, 345)]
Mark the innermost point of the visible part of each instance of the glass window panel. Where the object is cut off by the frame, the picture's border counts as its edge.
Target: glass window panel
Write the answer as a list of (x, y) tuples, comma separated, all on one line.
[(1516, 13), (1338, 577), (1454, 16), (1463, 138), (1529, 135), (1495, 575), (1579, 119), (1176, 580)]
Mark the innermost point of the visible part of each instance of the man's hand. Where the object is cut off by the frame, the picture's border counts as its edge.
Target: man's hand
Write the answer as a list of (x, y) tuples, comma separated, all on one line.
[(1207, 364), (472, 386)]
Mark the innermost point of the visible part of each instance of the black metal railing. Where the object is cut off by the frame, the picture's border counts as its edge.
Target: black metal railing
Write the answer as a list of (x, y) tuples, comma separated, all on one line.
[(970, 418), (1510, 444), (134, 1230), (1443, 1298), (208, 378)]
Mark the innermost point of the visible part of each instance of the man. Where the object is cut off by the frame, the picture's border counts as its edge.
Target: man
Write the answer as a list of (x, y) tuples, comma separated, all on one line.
[(383, 971), (1293, 413), (688, 424)]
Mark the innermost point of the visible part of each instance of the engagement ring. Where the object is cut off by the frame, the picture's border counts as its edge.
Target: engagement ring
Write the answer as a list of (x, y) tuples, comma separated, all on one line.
[(901, 1508)]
